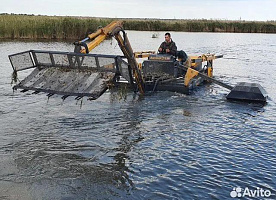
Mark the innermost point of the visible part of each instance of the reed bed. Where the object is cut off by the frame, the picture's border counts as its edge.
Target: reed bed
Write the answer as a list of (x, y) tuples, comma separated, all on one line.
[(47, 27), (202, 26), (54, 27)]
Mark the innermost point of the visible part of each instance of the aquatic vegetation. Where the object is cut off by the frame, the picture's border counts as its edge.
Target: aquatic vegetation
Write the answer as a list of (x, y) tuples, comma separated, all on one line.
[(14, 77), (54, 27), (47, 27)]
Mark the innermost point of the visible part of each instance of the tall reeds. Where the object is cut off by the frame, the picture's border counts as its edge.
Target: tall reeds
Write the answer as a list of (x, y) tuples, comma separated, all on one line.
[(53, 27), (47, 27), (202, 26)]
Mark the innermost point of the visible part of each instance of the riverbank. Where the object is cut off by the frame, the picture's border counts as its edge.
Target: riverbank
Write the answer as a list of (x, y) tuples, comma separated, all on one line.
[(54, 27)]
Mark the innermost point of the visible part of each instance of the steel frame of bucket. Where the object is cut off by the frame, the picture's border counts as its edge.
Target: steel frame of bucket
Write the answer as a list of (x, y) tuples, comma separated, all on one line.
[(74, 62)]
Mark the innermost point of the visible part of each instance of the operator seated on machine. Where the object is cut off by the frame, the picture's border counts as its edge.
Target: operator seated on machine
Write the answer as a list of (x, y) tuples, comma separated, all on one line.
[(168, 46)]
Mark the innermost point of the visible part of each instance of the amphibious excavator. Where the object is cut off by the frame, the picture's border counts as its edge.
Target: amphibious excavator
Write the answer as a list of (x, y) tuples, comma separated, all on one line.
[(82, 74)]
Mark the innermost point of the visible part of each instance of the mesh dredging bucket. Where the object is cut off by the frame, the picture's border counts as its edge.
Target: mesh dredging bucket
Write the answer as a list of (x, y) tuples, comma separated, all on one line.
[(66, 73)]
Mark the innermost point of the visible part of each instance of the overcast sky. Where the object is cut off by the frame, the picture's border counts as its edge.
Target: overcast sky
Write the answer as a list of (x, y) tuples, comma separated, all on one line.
[(260, 10)]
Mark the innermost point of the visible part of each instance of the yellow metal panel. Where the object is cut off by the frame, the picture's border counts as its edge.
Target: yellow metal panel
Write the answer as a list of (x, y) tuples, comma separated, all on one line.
[(143, 54), (191, 73), (204, 57), (210, 72)]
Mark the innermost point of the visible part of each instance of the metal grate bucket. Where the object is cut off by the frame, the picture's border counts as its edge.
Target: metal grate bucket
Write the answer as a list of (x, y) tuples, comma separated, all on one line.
[(66, 73)]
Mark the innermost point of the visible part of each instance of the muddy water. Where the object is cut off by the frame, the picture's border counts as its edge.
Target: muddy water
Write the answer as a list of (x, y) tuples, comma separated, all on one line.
[(163, 146)]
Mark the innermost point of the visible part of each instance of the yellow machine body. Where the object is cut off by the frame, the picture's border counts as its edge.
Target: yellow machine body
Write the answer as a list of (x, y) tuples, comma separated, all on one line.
[(195, 62)]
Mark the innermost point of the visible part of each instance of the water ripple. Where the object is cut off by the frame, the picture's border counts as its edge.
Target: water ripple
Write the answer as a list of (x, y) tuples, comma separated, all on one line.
[(163, 146)]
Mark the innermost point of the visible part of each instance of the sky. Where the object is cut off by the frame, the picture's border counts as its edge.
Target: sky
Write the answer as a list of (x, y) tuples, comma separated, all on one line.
[(259, 10)]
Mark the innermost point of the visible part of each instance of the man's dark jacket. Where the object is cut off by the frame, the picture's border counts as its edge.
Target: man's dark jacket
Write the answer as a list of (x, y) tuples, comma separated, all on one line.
[(169, 45)]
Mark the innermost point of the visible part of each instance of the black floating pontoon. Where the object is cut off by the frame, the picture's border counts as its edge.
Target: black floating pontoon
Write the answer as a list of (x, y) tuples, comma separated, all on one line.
[(248, 92)]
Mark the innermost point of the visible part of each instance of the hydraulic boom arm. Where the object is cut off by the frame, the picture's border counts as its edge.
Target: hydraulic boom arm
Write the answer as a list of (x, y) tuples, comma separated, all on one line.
[(114, 29)]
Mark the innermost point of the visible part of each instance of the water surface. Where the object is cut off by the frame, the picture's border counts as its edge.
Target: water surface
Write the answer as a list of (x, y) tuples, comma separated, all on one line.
[(163, 146)]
